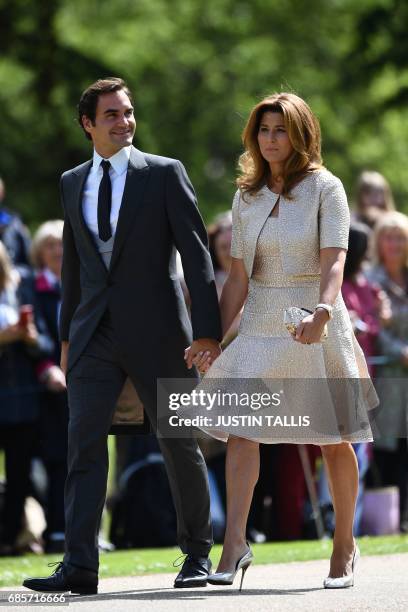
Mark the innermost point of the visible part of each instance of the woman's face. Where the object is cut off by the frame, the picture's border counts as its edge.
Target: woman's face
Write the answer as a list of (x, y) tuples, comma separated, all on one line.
[(273, 138), (222, 247), (393, 247), (373, 197), (51, 255)]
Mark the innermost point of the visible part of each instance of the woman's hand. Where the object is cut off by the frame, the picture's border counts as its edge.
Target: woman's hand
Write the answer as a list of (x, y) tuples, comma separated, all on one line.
[(384, 308), (10, 334), (310, 330), (203, 359)]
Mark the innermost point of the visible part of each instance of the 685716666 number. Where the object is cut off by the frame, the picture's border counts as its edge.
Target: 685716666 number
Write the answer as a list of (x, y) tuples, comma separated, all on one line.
[(18, 598)]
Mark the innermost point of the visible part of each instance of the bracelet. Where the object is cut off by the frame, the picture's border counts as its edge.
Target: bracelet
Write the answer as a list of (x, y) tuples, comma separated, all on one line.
[(327, 308)]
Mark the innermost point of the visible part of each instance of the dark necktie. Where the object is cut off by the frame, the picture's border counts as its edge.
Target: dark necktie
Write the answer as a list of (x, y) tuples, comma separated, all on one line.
[(104, 203)]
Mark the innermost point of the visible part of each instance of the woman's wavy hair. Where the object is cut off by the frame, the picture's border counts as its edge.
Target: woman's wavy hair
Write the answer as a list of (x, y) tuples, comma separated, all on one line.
[(304, 133)]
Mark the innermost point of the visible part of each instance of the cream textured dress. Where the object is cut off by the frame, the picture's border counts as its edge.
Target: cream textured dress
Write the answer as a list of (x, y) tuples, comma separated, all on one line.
[(264, 349)]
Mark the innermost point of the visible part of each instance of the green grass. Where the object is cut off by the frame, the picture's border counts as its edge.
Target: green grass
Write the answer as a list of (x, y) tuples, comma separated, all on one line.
[(151, 561)]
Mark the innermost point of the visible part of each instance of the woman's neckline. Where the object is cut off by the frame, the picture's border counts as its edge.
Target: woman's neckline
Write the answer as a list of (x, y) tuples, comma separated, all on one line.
[(295, 187), (270, 191)]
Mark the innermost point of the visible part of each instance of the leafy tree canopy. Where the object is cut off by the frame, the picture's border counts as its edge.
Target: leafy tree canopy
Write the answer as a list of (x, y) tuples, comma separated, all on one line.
[(196, 69)]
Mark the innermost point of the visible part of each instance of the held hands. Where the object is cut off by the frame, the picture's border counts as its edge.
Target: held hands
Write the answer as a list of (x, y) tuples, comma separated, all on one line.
[(310, 329), (202, 353)]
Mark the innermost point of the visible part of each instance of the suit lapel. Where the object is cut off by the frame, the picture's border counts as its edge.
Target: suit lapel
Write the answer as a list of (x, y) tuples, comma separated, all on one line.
[(136, 179)]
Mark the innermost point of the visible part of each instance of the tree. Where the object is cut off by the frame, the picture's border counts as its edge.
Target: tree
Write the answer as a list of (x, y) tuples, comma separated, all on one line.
[(196, 69)]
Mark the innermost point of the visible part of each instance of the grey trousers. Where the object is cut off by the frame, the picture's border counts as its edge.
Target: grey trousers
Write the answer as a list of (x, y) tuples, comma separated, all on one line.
[(94, 384)]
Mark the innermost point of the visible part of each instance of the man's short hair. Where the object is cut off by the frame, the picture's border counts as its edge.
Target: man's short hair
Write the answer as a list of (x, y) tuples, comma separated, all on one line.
[(89, 99)]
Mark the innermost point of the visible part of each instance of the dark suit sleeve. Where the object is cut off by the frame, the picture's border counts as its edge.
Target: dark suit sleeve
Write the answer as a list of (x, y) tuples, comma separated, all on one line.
[(71, 289), (191, 241)]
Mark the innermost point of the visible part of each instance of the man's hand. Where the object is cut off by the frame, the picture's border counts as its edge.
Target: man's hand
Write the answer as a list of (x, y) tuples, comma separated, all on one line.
[(55, 379), (202, 353), (64, 357)]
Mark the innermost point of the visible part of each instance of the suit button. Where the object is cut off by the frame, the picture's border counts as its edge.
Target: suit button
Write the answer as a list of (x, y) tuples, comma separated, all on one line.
[(110, 282)]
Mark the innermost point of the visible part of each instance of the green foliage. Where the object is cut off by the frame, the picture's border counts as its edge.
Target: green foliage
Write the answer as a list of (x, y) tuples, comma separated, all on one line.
[(196, 69)]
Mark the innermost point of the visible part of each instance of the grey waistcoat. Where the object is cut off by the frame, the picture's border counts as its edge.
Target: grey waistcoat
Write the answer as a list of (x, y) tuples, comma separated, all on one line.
[(105, 248)]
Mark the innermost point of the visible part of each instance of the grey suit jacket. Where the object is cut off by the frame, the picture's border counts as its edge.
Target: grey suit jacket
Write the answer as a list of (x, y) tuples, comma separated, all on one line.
[(140, 289)]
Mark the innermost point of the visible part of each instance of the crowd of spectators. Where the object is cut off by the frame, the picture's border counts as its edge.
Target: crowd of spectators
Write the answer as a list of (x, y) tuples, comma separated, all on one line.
[(34, 407)]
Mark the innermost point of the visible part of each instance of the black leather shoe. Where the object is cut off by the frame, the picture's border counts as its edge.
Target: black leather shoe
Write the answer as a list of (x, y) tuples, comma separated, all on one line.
[(194, 572), (66, 577)]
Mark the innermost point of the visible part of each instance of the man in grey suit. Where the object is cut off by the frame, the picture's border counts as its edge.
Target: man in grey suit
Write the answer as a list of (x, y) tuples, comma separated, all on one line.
[(123, 314)]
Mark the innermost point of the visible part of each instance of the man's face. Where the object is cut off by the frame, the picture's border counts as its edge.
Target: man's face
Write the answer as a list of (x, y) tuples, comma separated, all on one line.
[(114, 125)]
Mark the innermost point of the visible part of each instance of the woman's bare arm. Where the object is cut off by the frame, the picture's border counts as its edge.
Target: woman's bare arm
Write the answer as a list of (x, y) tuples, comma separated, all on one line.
[(233, 294), (332, 261)]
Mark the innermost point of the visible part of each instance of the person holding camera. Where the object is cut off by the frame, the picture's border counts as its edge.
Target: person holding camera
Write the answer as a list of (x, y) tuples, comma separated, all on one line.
[(23, 341)]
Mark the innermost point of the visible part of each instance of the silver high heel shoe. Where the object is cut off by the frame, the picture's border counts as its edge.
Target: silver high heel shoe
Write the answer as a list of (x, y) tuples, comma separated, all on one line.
[(343, 581), (228, 577)]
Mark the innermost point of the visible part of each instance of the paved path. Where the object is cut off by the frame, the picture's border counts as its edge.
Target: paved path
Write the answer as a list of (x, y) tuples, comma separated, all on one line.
[(381, 584)]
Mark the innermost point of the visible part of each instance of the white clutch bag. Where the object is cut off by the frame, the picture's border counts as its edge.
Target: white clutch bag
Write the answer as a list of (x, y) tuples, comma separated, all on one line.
[(293, 316)]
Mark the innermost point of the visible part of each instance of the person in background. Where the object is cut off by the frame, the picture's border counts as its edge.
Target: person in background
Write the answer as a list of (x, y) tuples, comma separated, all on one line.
[(219, 237), (23, 340), (46, 257), (373, 198), (13, 233), (390, 271), (368, 306)]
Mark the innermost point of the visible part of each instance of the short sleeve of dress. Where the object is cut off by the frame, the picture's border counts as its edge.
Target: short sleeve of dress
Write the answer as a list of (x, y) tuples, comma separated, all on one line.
[(236, 241), (334, 215)]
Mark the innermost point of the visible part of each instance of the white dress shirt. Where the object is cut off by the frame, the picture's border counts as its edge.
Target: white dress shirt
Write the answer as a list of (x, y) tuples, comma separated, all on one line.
[(117, 172)]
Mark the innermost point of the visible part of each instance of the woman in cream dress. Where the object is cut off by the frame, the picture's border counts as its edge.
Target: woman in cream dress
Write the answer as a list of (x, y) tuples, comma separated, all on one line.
[(290, 236)]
